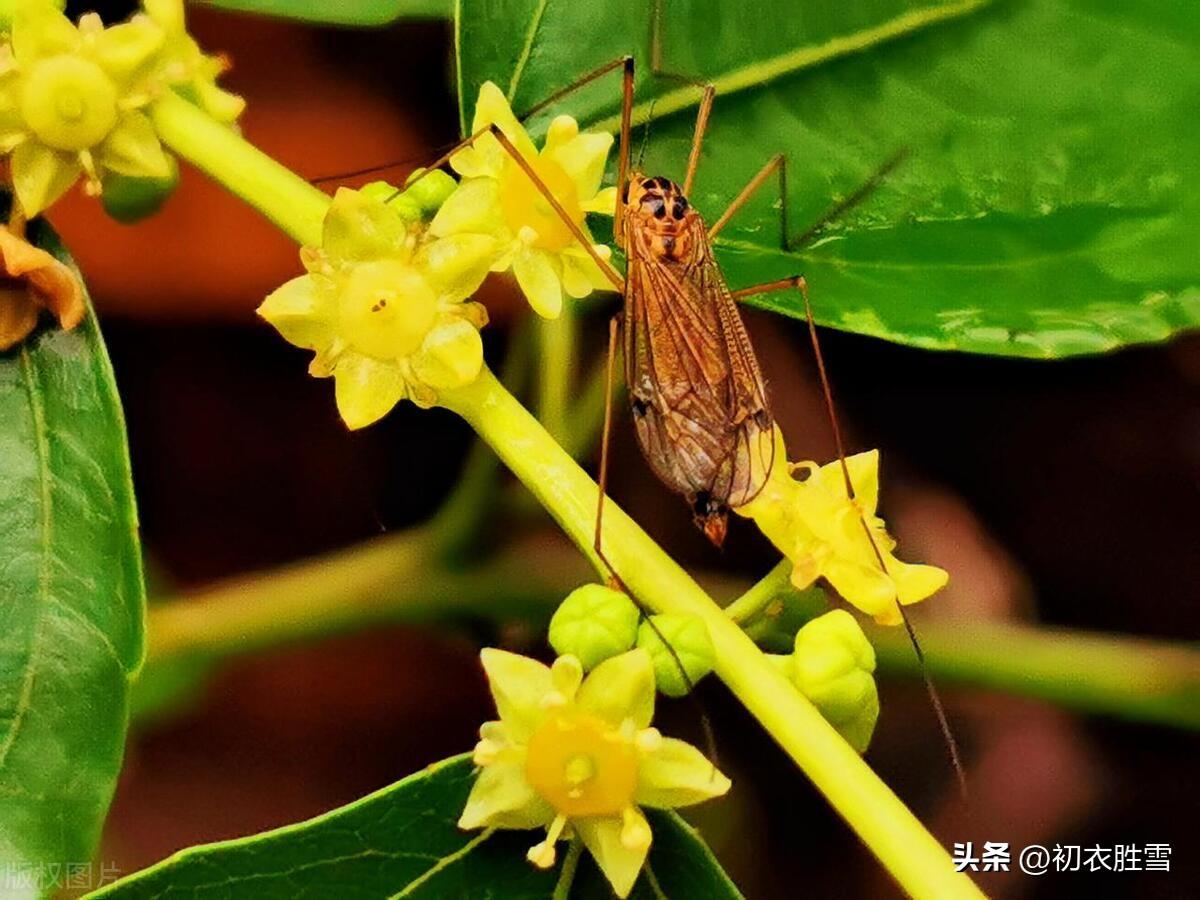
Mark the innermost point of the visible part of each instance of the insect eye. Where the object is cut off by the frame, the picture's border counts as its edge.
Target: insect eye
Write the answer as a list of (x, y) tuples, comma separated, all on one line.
[(680, 208)]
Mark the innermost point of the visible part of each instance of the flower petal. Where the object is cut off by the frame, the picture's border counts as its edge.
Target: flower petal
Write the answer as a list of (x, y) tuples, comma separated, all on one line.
[(457, 264), (620, 864), (864, 586), (518, 685), (581, 273), (915, 582), (473, 208), (620, 688), (675, 773), (133, 148), (539, 282), (39, 30), (124, 50), (42, 175), (604, 203), (451, 355), (366, 389), (583, 158), (492, 109), (301, 312), (503, 798)]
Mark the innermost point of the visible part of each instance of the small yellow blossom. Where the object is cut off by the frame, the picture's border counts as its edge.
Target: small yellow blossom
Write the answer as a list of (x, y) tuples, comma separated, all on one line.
[(71, 99), (815, 524), (384, 308), (497, 198), (31, 280), (578, 756)]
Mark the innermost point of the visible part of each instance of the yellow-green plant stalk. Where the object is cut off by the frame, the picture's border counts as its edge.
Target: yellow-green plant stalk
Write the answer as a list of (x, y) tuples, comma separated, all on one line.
[(913, 856)]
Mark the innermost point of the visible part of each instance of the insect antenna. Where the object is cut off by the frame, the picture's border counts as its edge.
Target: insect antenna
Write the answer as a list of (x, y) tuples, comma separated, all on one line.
[(934, 697)]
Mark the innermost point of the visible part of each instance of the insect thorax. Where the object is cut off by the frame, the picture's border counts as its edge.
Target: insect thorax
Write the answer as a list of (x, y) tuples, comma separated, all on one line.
[(660, 218)]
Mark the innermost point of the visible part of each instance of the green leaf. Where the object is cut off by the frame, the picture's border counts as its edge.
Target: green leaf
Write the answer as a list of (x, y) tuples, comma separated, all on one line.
[(71, 596), (359, 13), (402, 841), (1050, 196)]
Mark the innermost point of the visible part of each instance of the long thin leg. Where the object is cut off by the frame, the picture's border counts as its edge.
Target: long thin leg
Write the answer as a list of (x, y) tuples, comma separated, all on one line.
[(857, 196), (798, 281), (702, 114), (779, 161), (615, 277), (614, 326)]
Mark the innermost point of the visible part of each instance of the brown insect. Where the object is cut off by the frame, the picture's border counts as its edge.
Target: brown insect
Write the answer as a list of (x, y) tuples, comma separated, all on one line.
[(696, 391)]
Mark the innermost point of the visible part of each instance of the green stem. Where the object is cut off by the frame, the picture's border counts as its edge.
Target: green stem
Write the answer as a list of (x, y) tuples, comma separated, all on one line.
[(770, 587), (558, 341), (1137, 679), (278, 193), (566, 878), (912, 855)]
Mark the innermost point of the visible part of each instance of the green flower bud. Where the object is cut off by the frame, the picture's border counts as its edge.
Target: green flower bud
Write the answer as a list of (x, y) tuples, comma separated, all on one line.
[(832, 666), (128, 198), (401, 204), (430, 191), (688, 637), (594, 623)]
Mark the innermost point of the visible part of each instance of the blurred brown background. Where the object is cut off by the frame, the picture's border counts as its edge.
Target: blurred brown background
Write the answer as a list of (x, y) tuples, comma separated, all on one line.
[(1061, 492)]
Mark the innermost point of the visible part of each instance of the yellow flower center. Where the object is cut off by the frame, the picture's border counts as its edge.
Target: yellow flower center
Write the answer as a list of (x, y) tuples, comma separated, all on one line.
[(69, 102), (525, 206), (386, 309), (581, 766)]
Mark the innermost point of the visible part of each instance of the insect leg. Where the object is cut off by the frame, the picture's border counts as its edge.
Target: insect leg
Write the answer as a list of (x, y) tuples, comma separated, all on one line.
[(615, 278), (777, 162)]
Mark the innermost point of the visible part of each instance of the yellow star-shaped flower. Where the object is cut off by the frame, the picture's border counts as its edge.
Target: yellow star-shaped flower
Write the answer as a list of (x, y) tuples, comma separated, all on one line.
[(820, 529), (497, 198), (578, 756)]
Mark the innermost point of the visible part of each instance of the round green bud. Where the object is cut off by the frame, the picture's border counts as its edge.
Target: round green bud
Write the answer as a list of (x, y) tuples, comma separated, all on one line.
[(403, 206), (688, 637), (130, 198), (832, 666), (429, 191), (594, 623)]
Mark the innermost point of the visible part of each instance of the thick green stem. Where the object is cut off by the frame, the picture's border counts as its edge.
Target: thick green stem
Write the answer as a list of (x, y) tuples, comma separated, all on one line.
[(889, 829), (558, 341), (278, 193)]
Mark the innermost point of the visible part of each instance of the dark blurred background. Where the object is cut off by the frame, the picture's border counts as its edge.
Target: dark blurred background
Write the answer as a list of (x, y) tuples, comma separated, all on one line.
[(1058, 492)]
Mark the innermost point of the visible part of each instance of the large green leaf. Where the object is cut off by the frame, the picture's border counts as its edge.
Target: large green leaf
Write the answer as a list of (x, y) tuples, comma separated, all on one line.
[(358, 13), (71, 598), (402, 842), (1050, 200)]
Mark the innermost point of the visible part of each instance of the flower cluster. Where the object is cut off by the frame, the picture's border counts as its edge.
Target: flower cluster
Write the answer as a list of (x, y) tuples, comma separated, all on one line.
[(383, 305), (816, 524), (74, 97), (498, 199), (578, 757)]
